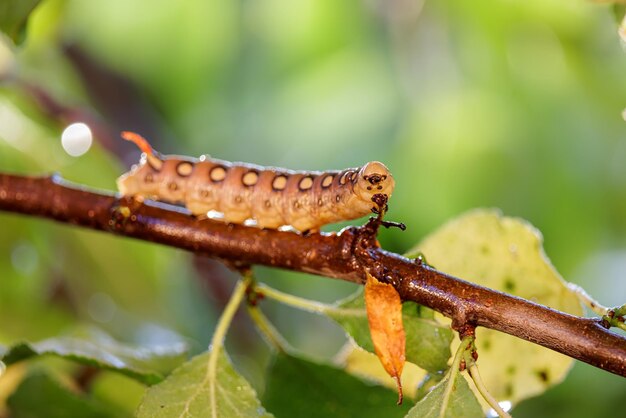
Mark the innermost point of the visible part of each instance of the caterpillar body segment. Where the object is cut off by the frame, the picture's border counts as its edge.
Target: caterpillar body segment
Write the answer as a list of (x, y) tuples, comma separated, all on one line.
[(265, 196)]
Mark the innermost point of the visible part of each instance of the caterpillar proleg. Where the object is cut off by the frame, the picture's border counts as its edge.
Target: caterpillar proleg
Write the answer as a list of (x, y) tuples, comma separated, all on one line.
[(268, 197)]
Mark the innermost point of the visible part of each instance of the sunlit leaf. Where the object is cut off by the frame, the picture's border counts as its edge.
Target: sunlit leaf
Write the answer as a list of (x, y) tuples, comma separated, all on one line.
[(187, 393), (505, 254), (41, 396), (448, 400), (364, 364), (95, 348), (427, 341), (13, 17), (302, 388), (384, 315)]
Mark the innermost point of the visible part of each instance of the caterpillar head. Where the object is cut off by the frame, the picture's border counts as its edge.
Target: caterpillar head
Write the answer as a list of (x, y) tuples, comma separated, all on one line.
[(373, 178)]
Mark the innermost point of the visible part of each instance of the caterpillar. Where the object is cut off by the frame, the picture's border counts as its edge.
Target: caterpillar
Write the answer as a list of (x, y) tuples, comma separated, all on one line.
[(267, 197)]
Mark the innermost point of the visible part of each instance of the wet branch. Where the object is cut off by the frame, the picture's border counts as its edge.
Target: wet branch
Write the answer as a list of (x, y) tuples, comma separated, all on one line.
[(347, 256)]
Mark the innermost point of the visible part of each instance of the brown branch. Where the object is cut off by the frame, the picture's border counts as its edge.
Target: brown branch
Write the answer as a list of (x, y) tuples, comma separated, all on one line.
[(345, 256)]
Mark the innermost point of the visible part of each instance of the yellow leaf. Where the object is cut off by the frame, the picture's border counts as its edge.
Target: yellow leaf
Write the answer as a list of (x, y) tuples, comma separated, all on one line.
[(505, 254)]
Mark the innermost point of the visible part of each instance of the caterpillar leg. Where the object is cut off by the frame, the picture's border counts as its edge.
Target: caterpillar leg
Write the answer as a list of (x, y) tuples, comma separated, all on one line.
[(381, 208), (392, 224)]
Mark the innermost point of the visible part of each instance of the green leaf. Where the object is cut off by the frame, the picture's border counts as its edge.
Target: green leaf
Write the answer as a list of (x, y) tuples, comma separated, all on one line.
[(363, 364), (187, 392), (505, 254), (13, 17), (41, 396), (95, 348), (427, 341), (301, 388), (447, 400), (117, 390)]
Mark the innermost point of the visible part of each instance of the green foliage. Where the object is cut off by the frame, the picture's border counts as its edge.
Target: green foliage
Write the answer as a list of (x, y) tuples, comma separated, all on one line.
[(304, 388), (448, 94), (95, 348), (191, 391), (427, 341), (39, 395), (449, 399), (14, 16)]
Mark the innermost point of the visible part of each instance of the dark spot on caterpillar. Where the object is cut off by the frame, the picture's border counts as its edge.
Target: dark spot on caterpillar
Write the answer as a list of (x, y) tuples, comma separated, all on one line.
[(279, 182), (305, 183), (296, 198), (374, 178), (250, 178), (345, 177), (184, 168), (369, 187), (327, 181), (217, 173)]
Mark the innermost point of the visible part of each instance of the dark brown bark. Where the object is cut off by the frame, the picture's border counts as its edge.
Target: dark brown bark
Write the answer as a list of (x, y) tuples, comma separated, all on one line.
[(347, 256)]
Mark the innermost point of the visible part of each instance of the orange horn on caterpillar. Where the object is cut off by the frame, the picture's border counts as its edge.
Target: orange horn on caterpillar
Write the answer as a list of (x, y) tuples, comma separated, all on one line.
[(138, 140), (154, 158)]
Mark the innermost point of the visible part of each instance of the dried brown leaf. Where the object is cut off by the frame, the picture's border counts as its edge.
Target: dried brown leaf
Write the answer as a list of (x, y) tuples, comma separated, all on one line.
[(384, 314)]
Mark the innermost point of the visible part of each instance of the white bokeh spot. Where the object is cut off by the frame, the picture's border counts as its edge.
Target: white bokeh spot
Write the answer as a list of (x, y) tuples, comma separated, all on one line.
[(76, 139)]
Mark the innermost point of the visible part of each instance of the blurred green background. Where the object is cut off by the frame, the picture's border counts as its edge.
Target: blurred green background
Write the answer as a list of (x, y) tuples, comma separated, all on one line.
[(516, 105)]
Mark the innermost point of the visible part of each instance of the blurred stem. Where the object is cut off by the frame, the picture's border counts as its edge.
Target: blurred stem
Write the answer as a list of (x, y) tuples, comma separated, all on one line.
[(472, 368), (612, 317), (454, 372), (227, 316), (217, 342), (267, 329), (307, 304), (587, 300)]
